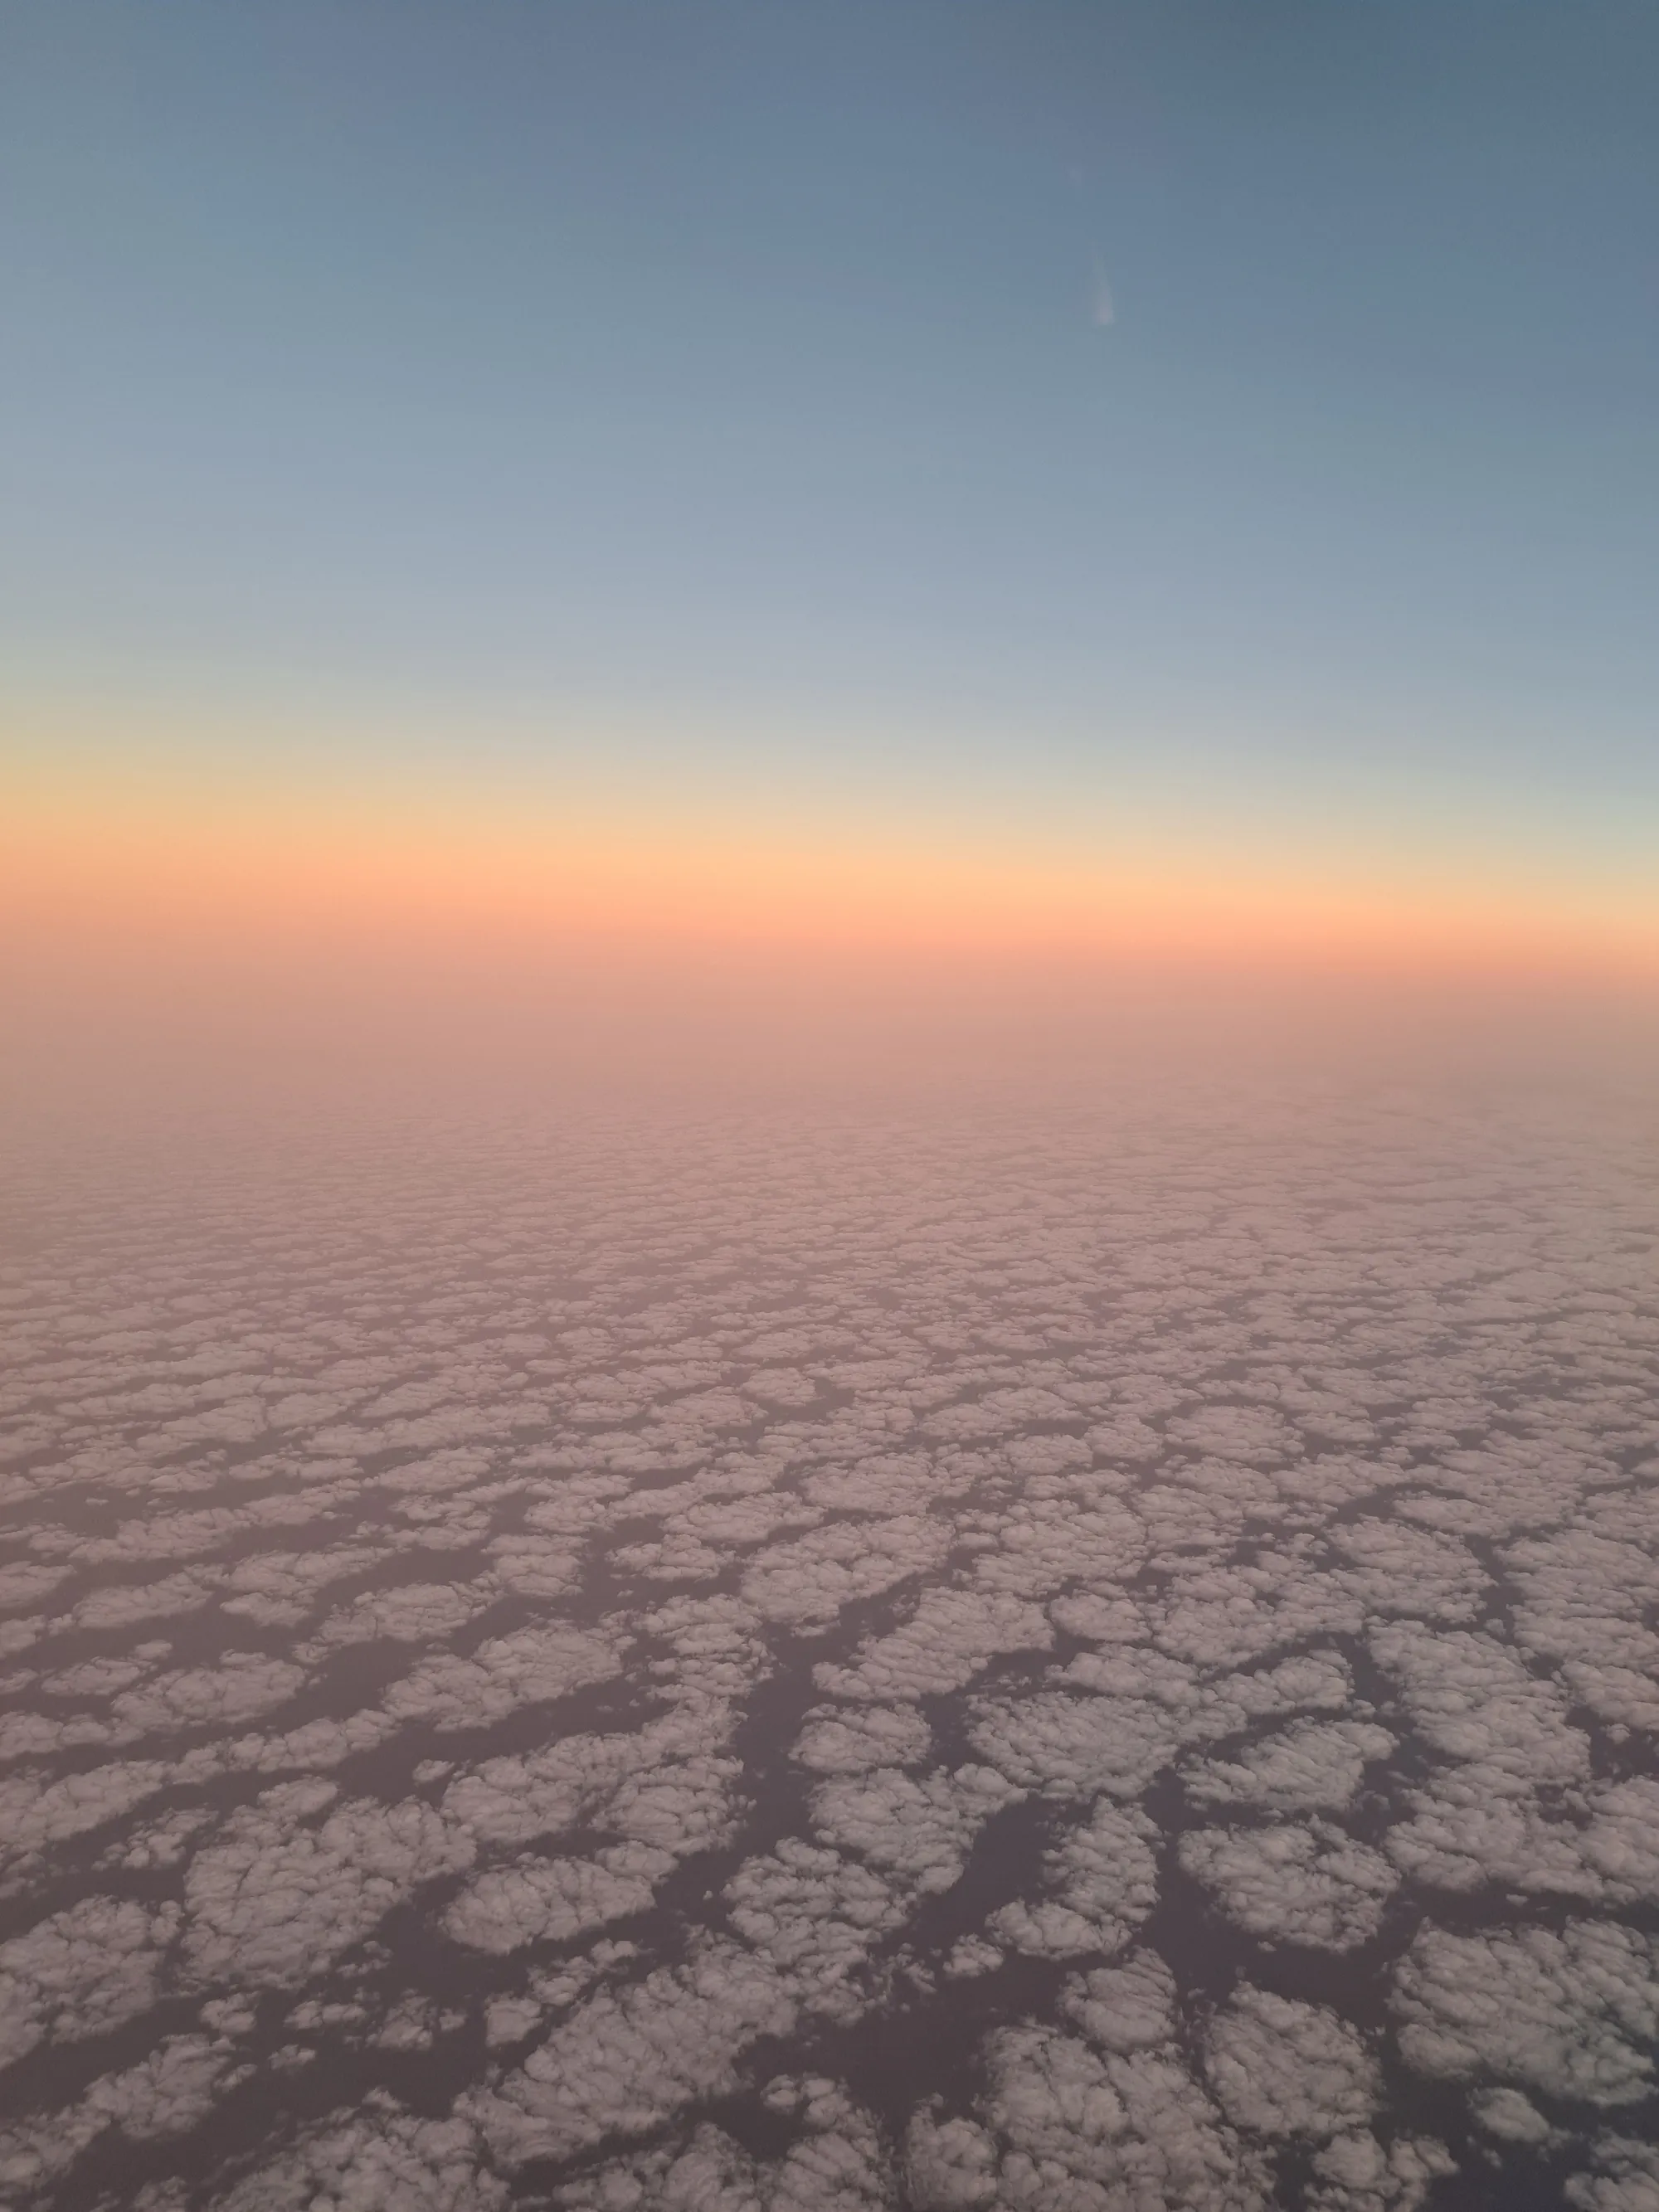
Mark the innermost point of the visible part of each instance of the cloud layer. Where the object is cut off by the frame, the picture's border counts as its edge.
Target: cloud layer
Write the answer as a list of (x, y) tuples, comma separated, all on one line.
[(1068, 1661)]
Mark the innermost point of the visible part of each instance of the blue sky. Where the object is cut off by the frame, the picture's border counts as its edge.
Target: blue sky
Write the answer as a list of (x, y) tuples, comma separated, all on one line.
[(724, 386)]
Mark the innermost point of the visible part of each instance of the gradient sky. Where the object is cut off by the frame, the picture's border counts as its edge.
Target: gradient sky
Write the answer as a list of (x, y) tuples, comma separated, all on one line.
[(1090, 430)]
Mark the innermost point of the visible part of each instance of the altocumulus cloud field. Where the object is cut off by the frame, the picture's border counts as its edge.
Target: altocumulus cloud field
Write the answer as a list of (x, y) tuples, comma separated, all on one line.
[(1059, 1658)]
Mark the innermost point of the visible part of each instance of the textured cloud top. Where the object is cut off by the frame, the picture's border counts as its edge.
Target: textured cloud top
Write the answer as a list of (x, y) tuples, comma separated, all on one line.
[(1063, 1659)]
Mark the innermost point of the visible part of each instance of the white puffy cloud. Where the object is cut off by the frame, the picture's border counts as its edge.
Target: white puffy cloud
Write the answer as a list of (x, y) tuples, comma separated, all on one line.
[(814, 1916), (172, 2091), (1085, 2130), (1574, 2015), (28, 1582), (550, 1900), (1067, 1746), (1510, 2117), (1310, 1885), (950, 2164), (807, 1583), (1626, 2180), (166, 1842), (1104, 1875), (1621, 1840), (1469, 1829), (278, 1589), (1044, 1544), (921, 1828), (535, 1566), (279, 1891), (883, 1482), (35, 1813), (529, 1666), (682, 1806), (627, 2060), (409, 1612), (839, 2163), (238, 1685), (1282, 2067), (516, 1798), (970, 1955), (1396, 1568), (860, 1737), (1311, 1766), (952, 1636), (1256, 1434), (1355, 2172), (1130, 2007), (381, 2159), (1474, 1699), (81, 1972), (128, 1605), (1222, 1616)]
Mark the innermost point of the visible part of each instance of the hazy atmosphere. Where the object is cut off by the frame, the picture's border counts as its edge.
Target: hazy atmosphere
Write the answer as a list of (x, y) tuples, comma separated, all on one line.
[(828, 1107)]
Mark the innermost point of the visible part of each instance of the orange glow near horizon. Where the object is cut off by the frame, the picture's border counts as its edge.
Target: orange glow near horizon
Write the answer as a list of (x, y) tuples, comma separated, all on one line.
[(234, 949), (281, 880)]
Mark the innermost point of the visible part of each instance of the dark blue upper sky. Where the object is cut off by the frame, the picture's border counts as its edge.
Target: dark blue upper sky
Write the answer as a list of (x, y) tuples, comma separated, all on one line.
[(746, 369)]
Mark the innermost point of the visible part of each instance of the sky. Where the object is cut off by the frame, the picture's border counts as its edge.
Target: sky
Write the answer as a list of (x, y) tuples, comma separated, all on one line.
[(1116, 476)]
